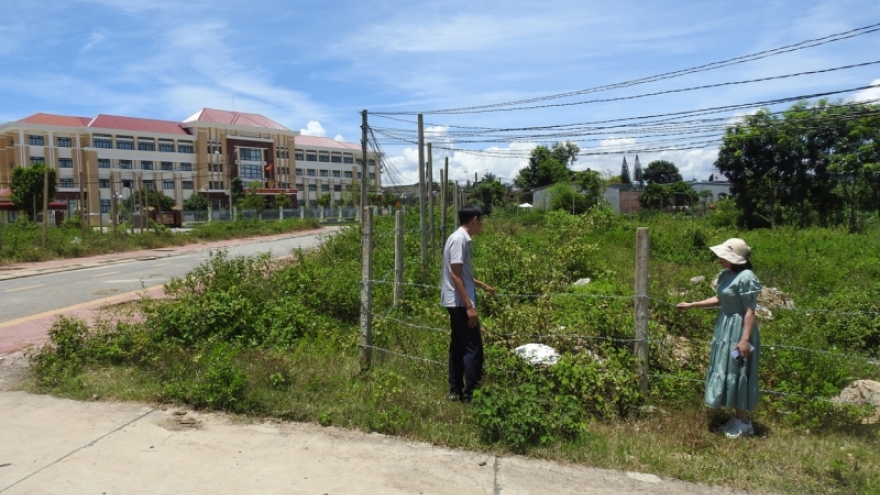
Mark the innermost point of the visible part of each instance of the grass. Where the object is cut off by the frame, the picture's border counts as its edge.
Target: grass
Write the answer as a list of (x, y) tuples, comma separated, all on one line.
[(288, 350)]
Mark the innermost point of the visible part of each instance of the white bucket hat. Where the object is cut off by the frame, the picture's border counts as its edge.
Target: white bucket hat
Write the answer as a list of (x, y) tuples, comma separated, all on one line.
[(733, 250)]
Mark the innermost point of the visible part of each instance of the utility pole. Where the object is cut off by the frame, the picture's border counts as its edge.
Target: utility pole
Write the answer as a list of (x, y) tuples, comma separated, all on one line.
[(364, 175), (422, 218), (114, 208), (45, 204), (82, 205), (430, 168), (641, 307), (443, 180)]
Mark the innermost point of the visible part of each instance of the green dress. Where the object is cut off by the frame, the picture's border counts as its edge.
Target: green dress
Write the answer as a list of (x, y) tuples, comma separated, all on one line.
[(728, 385)]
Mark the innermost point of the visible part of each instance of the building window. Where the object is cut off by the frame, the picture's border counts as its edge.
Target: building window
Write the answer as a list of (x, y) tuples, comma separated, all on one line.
[(105, 206), (313, 203), (371, 163), (313, 187), (124, 143), (299, 155), (146, 145), (149, 184), (186, 167), (103, 163), (299, 187), (167, 184), (38, 159), (325, 187), (216, 185), (146, 165), (311, 156), (250, 171), (65, 163), (337, 173), (372, 176), (347, 158), (166, 146), (102, 142), (64, 142), (337, 187), (282, 153), (250, 154), (336, 157), (310, 172), (168, 166), (359, 162), (347, 175), (35, 140), (300, 202), (187, 185), (299, 171), (125, 164), (324, 173), (185, 147), (360, 175), (215, 167), (324, 157), (104, 183), (214, 147), (68, 183)]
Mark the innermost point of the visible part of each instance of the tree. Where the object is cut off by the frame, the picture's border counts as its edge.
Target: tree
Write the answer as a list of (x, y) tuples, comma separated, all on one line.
[(564, 197), (236, 189), (545, 168), (148, 198), (810, 165), (565, 153), (592, 186), (195, 203), (624, 173), (27, 188), (638, 174), (661, 172), (282, 200), (251, 200), (488, 192), (324, 200)]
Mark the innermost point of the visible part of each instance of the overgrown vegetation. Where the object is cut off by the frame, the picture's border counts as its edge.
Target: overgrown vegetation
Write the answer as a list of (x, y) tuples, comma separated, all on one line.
[(20, 241), (240, 336)]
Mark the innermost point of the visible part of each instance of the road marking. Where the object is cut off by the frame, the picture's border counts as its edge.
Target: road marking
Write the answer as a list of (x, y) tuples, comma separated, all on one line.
[(24, 288), (152, 293), (105, 274)]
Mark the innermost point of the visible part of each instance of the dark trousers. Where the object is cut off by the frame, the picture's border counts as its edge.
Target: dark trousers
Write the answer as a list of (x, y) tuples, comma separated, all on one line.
[(465, 353)]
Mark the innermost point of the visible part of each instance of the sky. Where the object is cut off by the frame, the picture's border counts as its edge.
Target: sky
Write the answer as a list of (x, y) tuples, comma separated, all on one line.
[(314, 66)]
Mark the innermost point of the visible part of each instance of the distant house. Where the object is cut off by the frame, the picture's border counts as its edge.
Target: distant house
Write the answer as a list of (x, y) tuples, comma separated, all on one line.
[(624, 199)]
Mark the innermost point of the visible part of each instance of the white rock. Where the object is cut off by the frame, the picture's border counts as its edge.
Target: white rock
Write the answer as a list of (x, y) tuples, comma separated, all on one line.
[(583, 281), (863, 392), (698, 279), (538, 354)]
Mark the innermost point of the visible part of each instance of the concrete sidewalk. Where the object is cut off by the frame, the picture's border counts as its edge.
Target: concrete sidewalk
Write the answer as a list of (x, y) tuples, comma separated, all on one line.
[(57, 446)]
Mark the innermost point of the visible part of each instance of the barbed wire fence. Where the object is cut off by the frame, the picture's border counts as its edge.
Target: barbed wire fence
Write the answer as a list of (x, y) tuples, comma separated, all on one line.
[(640, 341)]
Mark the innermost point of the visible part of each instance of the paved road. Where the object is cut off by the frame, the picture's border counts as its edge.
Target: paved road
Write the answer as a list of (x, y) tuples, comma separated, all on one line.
[(36, 288)]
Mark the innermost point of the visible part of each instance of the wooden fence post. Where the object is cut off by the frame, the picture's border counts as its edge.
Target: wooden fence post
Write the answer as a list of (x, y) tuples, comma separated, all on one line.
[(641, 307), (366, 339)]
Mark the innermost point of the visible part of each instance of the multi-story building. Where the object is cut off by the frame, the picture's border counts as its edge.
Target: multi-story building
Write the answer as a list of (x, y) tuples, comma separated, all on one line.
[(98, 157)]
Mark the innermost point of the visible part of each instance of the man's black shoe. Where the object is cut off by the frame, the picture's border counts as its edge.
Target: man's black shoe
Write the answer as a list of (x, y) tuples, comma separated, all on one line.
[(453, 396), (466, 399)]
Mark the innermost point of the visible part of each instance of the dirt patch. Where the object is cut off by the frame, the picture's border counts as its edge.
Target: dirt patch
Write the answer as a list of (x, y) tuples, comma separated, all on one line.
[(180, 421)]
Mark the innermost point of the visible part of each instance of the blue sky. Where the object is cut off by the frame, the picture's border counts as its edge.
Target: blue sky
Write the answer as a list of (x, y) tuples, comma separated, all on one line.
[(312, 66)]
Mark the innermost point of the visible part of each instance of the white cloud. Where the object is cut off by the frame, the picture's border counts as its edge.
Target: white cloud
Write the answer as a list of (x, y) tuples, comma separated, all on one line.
[(93, 40), (870, 94), (313, 128)]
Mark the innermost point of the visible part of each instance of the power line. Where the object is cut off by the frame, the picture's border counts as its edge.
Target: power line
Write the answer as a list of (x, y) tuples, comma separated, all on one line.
[(810, 43)]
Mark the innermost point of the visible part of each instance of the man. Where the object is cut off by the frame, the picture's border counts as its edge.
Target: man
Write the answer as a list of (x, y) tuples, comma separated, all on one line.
[(458, 295)]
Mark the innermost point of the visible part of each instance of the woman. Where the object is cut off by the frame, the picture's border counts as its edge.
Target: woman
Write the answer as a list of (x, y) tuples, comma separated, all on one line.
[(732, 380)]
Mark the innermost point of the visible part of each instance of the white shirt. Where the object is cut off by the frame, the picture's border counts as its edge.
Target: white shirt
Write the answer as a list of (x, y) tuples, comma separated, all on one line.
[(457, 250)]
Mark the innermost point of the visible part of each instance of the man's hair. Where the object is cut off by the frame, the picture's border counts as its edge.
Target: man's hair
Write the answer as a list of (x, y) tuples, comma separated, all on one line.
[(468, 212)]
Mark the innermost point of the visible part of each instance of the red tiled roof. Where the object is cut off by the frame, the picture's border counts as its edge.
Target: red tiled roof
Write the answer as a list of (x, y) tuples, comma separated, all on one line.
[(324, 142), (136, 124), (213, 116), (56, 120)]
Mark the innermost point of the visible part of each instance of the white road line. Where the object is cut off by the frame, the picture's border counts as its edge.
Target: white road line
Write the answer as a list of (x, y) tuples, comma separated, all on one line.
[(105, 274), (24, 288)]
